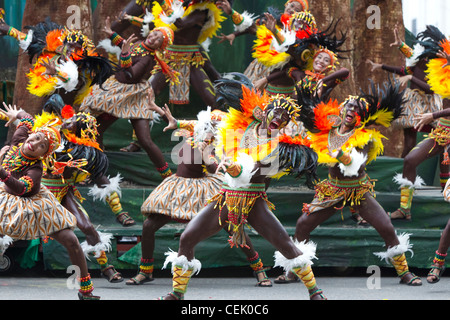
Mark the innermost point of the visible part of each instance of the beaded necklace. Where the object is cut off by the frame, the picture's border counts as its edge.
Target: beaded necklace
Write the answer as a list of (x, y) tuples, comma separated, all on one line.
[(15, 160), (141, 50)]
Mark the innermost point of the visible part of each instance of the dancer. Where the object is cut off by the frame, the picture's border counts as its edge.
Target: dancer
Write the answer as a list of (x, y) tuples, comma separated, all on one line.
[(242, 199), (435, 143), (195, 22), (245, 23), (438, 266), (64, 59), (166, 203), (341, 136), (126, 92), (79, 160), (105, 188), (420, 98), (29, 211)]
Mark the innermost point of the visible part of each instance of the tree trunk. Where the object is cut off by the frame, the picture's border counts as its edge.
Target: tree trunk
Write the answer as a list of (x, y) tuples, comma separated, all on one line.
[(368, 40)]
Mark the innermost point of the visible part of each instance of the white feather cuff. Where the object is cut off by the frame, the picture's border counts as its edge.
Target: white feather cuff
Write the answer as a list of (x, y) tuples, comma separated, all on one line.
[(24, 44), (181, 261), (107, 45), (5, 242), (309, 252), (358, 159), (70, 69), (102, 193), (103, 245), (248, 170), (403, 182), (403, 247), (289, 39), (248, 19)]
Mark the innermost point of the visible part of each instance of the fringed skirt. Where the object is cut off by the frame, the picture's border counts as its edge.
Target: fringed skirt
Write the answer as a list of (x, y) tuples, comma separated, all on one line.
[(28, 218), (239, 203), (417, 102), (181, 198), (181, 59), (441, 135), (331, 191), (122, 100)]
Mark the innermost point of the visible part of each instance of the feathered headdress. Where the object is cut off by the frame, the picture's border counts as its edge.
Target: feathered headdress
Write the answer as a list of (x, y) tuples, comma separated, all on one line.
[(430, 39)]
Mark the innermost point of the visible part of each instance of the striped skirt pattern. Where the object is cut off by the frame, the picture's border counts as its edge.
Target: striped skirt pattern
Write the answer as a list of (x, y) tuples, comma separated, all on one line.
[(124, 101), (28, 218), (182, 198)]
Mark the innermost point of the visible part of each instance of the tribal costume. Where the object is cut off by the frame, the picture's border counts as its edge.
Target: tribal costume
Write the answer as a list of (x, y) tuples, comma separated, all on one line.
[(184, 194), (243, 191), (28, 210), (437, 142), (341, 136), (52, 43), (183, 57), (125, 95)]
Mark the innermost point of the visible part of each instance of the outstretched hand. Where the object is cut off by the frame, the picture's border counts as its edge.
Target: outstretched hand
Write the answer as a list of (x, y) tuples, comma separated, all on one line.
[(10, 112), (225, 162), (446, 56), (422, 120), (398, 42), (227, 37), (126, 44), (171, 120), (373, 66)]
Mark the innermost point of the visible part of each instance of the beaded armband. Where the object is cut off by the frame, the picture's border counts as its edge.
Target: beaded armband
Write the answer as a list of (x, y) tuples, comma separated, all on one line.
[(236, 17), (27, 121), (16, 34), (406, 50), (27, 184), (344, 158), (137, 21), (186, 125), (290, 71), (116, 39), (126, 61), (234, 170), (280, 38)]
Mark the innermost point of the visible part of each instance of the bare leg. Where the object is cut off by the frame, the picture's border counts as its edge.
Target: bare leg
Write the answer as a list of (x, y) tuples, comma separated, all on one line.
[(203, 86), (410, 140), (68, 240), (372, 211), (438, 266), (104, 121), (426, 149), (92, 235), (142, 129), (151, 225)]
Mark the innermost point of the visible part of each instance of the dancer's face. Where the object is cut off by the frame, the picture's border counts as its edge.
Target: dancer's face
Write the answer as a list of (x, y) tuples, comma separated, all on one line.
[(350, 112), (321, 62), (276, 119), (35, 146), (293, 7), (154, 40)]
